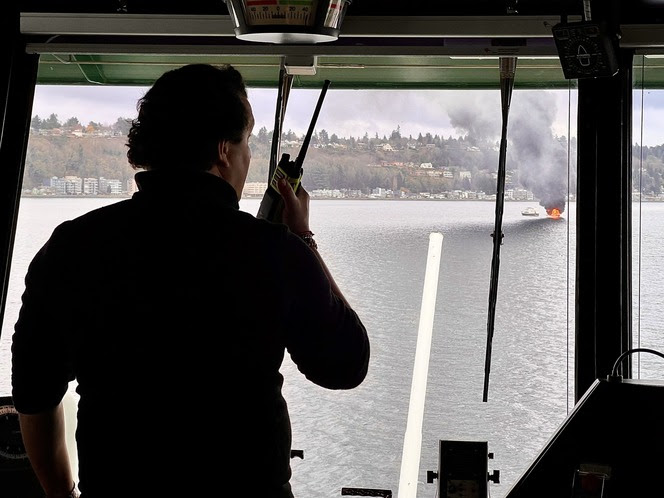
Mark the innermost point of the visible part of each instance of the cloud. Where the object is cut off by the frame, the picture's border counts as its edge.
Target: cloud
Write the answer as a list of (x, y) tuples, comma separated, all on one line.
[(344, 112), (101, 104), (356, 112)]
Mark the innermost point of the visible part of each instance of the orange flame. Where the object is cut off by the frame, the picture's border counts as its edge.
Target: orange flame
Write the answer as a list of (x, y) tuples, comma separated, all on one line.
[(553, 212)]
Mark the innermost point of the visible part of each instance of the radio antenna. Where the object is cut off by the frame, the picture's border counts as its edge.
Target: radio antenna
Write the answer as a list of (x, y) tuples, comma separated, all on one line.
[(285, 84), (314, 118)]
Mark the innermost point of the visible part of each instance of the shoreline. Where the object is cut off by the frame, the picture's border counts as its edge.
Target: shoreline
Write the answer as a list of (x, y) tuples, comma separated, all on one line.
[(28, 196), (260, 197)]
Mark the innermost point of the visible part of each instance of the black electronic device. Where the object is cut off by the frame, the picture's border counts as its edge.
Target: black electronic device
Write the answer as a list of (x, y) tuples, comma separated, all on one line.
[(384, 493), (585, 49), (271, 205), (463, 469), (608, 446), (17, 479)]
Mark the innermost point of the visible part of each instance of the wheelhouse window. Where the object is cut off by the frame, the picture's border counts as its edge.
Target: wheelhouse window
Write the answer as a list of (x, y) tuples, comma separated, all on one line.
[(386, 168), (648, 213)]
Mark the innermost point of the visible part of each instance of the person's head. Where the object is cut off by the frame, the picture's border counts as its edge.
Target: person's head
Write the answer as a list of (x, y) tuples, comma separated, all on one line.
[(196, 117)]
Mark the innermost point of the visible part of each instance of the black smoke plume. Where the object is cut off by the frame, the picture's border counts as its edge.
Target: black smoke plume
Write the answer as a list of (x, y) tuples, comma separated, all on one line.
[(534, 151)]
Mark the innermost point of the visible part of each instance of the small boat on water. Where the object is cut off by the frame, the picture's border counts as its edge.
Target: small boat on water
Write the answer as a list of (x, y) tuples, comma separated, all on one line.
[(530, 211)]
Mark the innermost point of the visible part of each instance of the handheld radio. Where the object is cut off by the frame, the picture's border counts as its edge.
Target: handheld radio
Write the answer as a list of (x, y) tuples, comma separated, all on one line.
[(272, 204)]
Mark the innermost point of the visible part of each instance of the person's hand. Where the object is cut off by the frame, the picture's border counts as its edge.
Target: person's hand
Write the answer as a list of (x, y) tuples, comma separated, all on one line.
[(296, 207)]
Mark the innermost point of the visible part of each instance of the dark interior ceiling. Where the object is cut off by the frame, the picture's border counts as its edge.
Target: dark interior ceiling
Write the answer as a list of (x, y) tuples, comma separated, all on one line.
[(629, 11), (355, 7), (429, 44)]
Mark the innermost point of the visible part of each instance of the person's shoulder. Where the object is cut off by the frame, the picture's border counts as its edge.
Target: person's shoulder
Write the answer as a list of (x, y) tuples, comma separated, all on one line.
[(103, 213), (101, 219), (106, 211), (277, 237), (264, 228)]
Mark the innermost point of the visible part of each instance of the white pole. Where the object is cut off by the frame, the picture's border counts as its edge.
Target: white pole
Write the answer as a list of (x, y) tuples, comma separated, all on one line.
[(412, 445), (70, 403)]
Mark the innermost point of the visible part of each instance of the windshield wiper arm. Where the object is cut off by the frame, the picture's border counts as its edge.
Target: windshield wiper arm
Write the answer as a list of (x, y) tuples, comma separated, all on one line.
[(507, 70)]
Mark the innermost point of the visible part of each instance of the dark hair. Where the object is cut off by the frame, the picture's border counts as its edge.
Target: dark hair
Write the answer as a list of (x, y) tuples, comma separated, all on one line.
[(185, 114)]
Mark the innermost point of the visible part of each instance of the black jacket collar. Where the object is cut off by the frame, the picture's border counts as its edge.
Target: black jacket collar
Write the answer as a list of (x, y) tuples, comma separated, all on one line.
[(191, 184)]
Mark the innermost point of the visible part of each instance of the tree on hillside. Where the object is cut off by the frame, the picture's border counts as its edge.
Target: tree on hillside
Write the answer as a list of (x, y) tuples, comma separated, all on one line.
[(263, 136), (484, 182), (72, 122), (122, 126), (73, 162), (51, 122)]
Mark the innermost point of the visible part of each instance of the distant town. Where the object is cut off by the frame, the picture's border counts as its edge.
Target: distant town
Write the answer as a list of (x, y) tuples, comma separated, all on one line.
[(72, 137), (256, 189), (75, 186), (68, 159)]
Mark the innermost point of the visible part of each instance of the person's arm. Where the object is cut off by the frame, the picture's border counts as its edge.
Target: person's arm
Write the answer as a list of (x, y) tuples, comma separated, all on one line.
[(44, 439), (296, 218), (328, 342)]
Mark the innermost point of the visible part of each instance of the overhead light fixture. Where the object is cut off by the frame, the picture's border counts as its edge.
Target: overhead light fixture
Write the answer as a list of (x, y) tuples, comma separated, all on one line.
[(287, 21)]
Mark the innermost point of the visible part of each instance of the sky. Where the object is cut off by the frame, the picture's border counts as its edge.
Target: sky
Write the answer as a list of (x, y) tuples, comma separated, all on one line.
[(344, 112), (356, 112)]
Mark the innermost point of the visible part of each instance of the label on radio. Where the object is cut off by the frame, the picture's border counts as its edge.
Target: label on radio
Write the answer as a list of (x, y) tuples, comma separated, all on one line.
[(279, 173)]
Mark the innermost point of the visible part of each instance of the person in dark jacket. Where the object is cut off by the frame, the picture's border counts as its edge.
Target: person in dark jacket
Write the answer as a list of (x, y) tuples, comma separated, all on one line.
[(171, 313)]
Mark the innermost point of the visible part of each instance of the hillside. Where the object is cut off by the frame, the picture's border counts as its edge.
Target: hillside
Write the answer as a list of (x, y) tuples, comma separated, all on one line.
[(424, 164)]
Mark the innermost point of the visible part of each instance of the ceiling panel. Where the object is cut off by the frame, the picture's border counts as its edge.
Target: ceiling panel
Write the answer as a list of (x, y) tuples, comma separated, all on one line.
[(359, 71)]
